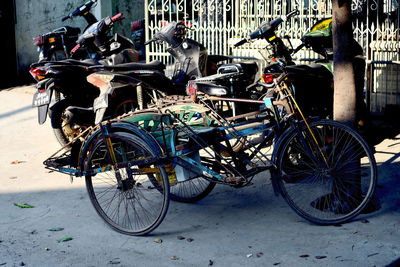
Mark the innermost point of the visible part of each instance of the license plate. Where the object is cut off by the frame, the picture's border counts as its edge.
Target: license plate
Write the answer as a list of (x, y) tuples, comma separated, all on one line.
[(41, 98)]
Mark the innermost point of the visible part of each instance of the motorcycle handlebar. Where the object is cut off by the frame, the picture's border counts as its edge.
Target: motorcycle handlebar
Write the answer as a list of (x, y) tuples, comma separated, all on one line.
[(117, 17), (243, 41), (73, 50), (149, 41), (80, 10)]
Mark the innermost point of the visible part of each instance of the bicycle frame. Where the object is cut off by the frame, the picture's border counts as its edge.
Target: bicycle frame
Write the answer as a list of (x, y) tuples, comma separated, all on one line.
[(268, 121)]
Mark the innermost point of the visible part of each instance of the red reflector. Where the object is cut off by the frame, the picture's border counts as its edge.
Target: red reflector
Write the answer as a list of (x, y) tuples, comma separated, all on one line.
[(268, 78), (191, 88), (38, 40), (37, 73)]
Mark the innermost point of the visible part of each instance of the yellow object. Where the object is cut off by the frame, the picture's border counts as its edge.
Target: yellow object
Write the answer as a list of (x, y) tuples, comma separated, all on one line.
[(323, 25), (272, 38), (52, 40)]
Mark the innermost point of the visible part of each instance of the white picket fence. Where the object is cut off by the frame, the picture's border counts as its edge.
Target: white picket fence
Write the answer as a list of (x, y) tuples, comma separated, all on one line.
[(218, 24)]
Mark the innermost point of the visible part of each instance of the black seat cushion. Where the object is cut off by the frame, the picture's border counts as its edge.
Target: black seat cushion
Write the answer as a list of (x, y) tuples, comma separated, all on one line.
[(212, 89), (154, 65)]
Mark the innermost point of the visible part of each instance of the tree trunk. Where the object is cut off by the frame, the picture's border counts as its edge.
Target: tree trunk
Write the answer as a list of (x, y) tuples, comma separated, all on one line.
[(344, 103)]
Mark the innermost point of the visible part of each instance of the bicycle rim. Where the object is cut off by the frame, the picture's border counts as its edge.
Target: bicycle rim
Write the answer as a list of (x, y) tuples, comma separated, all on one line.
[(133, 206), (331, 190)]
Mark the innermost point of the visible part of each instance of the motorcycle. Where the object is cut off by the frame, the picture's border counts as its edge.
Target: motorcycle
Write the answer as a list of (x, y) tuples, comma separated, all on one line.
[(72, 114), (57, 44), (314, 81), (148, 81)]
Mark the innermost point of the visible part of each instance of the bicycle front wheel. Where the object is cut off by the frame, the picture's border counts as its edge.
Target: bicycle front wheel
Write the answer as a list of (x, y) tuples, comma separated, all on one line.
[(327, 178), (126, 199)]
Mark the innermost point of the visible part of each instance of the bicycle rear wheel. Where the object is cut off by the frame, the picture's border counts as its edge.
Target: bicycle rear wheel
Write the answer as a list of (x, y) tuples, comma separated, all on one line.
[(193, 189), (330, 187), (126, 199)]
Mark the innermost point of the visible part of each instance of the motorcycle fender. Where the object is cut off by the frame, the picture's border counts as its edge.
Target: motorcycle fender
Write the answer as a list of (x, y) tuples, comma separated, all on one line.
[(100, 104), (42, 113), (121, 126), (43, 110)]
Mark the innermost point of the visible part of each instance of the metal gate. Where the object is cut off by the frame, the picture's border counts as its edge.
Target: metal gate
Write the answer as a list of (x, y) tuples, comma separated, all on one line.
[(218, 24)]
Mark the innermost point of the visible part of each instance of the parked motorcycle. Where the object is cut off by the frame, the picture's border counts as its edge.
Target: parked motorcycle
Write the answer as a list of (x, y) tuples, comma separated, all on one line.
[(70, 115), (57, 44), (312, 83), (148, 81), (104, 48)]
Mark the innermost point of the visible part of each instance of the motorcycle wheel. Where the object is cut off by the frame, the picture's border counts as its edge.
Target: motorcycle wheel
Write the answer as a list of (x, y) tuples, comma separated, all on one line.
[(62, 129), (124, 106)]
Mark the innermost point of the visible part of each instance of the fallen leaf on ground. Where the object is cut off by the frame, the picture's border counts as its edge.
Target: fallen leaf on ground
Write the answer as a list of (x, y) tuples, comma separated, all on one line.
[(304, 256), (355, 232), (210, 262), (174, 258), (24, 206), (64, 239), (180, 237), (56, 229), (13, 177), (277, 263), (22, 263), (190, 239), (365, 221), (320, 257), (158, 240), (14, 162), (259, 254)]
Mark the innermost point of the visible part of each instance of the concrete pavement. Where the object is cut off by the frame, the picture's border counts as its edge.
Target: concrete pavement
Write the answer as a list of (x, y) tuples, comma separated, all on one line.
[(230, 227)]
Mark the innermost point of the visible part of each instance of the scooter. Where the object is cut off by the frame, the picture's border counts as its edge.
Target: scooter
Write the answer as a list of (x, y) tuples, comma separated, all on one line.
[(148, 81), (57, 44), (312, 83), (71, 114)]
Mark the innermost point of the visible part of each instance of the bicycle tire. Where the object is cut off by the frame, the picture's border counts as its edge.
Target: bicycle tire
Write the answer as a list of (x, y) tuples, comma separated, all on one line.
[(187, 191), (330, 193), (134, 198), (191, 190)]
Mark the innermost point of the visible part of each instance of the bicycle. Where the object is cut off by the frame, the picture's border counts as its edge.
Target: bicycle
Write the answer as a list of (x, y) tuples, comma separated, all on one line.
[(323, 169)]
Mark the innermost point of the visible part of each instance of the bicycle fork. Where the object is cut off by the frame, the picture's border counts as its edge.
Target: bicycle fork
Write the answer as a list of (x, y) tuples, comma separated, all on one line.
[(305, 142), (111, 156)]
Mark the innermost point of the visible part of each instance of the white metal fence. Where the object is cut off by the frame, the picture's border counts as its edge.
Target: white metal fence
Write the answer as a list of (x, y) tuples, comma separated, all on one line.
[(218, 24)]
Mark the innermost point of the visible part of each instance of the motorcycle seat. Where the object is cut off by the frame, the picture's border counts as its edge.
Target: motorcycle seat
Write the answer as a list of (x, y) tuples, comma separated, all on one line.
[(68, 30), (212, 89), (154, 65), (305, 71), (72, 30)]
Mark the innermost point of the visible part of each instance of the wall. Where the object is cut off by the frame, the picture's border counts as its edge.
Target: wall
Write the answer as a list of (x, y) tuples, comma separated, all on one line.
[(34, 17), (131, 9)]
